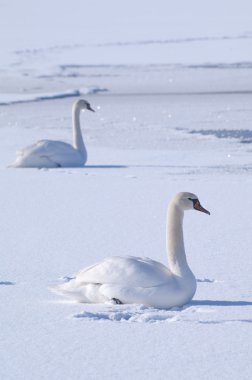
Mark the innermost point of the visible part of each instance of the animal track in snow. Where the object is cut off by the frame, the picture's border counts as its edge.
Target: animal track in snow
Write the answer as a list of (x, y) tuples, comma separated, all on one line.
[(222, 321), (125, 313)]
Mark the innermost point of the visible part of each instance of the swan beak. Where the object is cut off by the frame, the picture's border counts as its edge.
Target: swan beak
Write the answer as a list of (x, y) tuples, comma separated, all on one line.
[(90, 109), (198, 207)]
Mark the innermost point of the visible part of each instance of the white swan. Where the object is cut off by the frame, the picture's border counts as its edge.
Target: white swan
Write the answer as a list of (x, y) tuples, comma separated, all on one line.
[(54, 154), (141, 280)]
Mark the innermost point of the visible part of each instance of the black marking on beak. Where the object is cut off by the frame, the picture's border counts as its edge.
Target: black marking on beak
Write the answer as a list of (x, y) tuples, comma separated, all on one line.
[(197, 206), (89, 108)]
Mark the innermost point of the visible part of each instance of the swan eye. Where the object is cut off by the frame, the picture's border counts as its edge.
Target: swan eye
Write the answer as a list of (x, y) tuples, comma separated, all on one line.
[(194, 201)]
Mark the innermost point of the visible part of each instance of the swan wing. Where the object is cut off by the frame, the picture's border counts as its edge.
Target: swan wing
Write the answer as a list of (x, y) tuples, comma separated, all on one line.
[(162, 296), (125, 271), (46, 148), (127, 279), (49, 153)]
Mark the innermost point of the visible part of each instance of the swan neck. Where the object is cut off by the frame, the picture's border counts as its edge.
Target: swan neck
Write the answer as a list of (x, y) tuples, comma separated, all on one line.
[(78, 142), (175, 241)]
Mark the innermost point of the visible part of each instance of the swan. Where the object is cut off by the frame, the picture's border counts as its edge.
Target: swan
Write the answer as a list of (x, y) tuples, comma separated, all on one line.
[(55, 154), (140, 280)]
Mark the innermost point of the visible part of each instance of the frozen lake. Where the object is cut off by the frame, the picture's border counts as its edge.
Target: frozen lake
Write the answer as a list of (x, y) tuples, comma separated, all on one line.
[(142, 150), (172, 93)]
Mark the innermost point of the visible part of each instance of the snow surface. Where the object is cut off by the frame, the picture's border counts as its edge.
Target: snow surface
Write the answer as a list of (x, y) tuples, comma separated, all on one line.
[(177, 116)]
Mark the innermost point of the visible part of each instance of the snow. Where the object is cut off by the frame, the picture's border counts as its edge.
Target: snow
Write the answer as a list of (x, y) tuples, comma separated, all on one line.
[(65, 219), (176, 117)]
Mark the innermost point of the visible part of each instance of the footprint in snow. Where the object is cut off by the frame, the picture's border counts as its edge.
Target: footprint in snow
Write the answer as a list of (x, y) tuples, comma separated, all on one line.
[(140, 314), (7, 283), (66, 278), (206, 280)]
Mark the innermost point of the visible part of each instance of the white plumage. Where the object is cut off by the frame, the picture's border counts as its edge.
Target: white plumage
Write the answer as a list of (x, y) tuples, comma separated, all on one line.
[(53, 154), (141, 280)]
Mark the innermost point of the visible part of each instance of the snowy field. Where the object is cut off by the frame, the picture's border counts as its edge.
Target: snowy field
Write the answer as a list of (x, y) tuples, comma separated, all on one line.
[(173, 113)]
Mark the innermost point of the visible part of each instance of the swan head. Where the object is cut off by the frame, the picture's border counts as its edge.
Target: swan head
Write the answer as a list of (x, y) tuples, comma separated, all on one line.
[(82, 104), (189, 201)]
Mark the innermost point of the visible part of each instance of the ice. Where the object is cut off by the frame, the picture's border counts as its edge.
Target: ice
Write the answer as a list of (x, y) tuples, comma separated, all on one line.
[(55, 222), (27, 98), (176, 117)]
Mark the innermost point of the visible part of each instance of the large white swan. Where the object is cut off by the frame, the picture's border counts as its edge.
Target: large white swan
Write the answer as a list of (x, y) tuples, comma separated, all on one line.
[(141, 280), (54, 154)]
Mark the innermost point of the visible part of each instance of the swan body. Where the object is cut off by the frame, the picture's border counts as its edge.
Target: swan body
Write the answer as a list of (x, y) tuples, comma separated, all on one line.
[(54, 154), (140, 280)]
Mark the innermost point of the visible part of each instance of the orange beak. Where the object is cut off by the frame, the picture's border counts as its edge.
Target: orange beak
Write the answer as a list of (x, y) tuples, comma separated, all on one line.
[(198, 207)]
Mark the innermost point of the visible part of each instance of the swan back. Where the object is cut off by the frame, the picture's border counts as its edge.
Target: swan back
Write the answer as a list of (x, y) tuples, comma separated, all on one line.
[(136, 271)]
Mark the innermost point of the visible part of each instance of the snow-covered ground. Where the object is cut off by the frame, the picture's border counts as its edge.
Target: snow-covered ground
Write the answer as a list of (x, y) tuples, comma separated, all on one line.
[(173, 113)]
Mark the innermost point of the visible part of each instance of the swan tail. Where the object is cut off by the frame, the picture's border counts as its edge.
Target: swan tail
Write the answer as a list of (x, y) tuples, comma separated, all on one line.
[(14, 165), (80, 292), (63, 289), (66, 291)]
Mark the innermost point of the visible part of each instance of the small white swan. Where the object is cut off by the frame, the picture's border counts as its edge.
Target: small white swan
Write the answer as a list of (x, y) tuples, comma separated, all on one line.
[(54, 154), (140, 280)]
